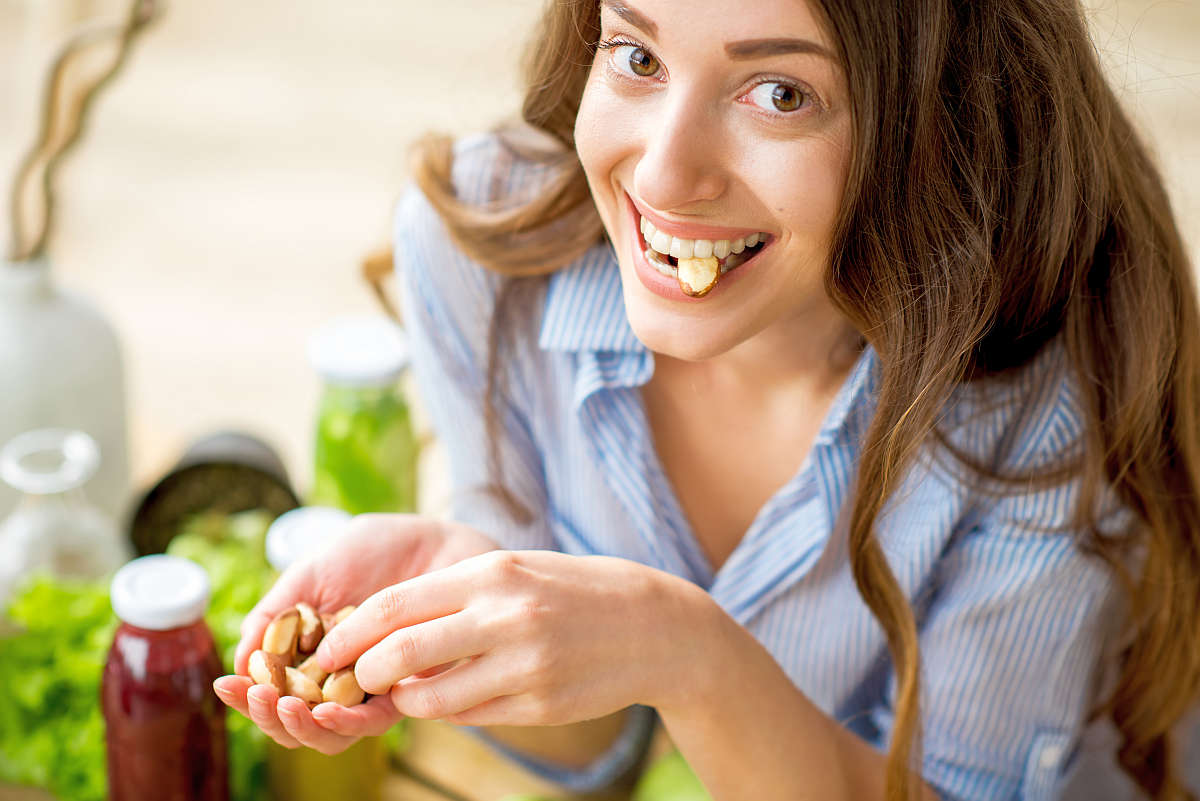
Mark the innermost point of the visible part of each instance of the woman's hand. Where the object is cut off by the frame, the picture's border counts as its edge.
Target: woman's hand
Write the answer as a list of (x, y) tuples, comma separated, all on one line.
[(376, 552), (526, 638)]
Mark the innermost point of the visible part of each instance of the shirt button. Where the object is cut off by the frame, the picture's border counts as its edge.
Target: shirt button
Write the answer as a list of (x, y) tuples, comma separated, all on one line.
[(1051, 755)]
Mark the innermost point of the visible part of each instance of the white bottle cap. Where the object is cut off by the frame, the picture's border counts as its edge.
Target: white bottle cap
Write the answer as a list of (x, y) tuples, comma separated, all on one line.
[(359, 351), (160, 592), (303, 532)]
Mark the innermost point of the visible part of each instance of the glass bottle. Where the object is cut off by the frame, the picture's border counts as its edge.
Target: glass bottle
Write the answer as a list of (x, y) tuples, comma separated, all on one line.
[(54, 526), (164, 726), (302, 774), (365, 455)]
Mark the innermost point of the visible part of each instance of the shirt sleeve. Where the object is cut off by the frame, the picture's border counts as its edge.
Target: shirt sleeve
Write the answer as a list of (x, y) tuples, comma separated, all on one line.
[(447, 302), (1010, 646), (605, 770)]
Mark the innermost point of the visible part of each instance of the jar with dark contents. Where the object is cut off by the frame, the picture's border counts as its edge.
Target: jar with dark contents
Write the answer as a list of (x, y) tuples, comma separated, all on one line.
[(164, 726)]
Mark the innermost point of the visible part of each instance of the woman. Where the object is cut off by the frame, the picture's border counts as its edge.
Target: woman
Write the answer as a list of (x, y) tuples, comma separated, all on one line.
[(823, 378)]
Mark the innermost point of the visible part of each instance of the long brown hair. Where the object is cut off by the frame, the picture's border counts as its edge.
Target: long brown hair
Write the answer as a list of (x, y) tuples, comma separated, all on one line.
[(998, 197)]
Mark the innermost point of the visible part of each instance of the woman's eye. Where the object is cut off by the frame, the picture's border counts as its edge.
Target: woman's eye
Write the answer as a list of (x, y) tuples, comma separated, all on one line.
[(780, 97), (636, 60)]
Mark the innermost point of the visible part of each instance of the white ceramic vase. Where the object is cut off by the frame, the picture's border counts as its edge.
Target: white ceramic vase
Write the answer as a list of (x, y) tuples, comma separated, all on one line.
[(61, 367)]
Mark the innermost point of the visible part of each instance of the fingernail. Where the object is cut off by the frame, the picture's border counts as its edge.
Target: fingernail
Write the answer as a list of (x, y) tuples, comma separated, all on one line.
[(256, 695)]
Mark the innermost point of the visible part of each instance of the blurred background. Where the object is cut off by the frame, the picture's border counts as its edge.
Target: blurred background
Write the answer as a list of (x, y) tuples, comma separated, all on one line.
[(233, 177), (247, 158)]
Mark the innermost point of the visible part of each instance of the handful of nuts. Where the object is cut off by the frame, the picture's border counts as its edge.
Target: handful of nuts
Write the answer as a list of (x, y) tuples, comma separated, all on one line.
[(287, 663)]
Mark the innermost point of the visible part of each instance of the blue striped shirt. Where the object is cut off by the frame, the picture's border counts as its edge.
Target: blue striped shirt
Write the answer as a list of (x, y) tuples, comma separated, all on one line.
[(1014, 621)]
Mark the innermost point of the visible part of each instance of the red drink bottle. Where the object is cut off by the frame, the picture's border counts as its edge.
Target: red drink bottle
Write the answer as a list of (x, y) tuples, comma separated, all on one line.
[(164, 726)]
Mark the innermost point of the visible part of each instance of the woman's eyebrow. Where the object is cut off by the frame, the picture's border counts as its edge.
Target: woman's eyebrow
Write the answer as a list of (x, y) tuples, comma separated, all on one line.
[(758, 48), (634, 18), (738, 51)]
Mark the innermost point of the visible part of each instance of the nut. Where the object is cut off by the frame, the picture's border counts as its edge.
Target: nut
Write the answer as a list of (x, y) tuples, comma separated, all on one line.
[(281, 633), (268, 668), (331, 620), (342, 688), (294, 635), (311, 628), (303, 687), (697, 277), (310, 668)]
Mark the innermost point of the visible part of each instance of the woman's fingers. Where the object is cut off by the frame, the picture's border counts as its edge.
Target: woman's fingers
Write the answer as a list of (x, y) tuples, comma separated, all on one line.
[(417, 649), (253, 627), (328, 728), (417, 600), (425, 674), (263, 702), (457, 690), (232, 692), (371, 719), (282, 595), (299, 723), (495, 712)]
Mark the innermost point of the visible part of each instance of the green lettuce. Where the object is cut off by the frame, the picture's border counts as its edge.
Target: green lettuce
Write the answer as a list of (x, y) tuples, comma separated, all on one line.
[(51, 729)]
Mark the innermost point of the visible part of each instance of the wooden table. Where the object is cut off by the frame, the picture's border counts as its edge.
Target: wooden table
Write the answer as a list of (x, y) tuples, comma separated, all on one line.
[(445, 763), (466, 769)]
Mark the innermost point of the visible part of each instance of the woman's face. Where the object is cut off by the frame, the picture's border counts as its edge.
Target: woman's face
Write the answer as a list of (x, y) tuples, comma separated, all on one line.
[(715, 123)]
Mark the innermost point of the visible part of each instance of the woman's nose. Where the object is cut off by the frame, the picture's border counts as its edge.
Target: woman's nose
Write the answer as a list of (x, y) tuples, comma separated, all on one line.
[(680, 162)]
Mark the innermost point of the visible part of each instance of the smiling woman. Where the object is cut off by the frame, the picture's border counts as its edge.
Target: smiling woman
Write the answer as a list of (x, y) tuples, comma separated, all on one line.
[(772, 345)]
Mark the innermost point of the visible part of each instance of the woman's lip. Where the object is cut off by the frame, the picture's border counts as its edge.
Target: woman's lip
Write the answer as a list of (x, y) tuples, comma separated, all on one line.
[(683, 231), (667, 287)]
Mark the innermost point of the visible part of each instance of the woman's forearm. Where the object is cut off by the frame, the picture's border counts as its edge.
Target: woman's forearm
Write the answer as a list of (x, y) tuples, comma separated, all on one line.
[(748, 732)]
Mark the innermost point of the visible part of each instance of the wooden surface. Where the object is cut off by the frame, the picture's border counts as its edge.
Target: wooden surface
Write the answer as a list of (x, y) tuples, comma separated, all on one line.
[(453, 758), (445, 763)]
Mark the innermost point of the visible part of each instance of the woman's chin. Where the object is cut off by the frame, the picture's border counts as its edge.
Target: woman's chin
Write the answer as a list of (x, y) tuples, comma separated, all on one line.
[(680, 339), (677, 330)]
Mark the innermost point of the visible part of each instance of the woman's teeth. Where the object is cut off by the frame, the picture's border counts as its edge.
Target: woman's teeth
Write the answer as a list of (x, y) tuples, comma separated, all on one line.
[(669, 245), (728, 252)]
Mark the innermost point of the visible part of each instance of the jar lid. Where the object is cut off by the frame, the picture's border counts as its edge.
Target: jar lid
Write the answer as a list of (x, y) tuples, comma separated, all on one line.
[(359, 351), (303, 532), (160, 592), (46, 461)]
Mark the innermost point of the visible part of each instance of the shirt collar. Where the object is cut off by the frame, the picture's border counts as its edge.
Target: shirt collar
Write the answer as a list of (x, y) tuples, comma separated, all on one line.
[(585, 312), (854, 404), (585, 307)]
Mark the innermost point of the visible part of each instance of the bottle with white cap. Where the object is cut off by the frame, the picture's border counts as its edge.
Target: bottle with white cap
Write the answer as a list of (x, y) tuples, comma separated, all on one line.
[(164, 726), (302, 774), (366, 450), (303, 532)]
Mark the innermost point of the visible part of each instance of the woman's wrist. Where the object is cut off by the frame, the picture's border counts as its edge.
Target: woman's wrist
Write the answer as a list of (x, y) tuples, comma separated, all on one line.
[(749, 732), (738, 718), (692, 648)]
